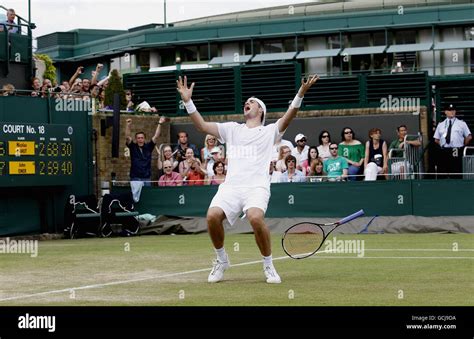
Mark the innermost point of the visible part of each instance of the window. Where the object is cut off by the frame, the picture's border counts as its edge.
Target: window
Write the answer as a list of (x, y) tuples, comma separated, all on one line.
[(405, 37), (272, 46), (204, 51), (189, 54)]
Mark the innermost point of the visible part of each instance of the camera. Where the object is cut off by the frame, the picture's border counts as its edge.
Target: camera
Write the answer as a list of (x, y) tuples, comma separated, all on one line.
[(56, 89)]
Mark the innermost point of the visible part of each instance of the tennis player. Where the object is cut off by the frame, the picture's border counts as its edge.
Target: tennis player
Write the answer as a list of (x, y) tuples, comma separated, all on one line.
[(247, 185)]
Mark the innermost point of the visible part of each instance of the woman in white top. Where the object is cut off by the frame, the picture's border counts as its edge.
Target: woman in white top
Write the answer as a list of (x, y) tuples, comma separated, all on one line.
[(324, 142), (209, 143)]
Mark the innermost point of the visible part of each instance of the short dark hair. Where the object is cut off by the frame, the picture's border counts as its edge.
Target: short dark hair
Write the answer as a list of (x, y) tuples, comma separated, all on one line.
[(184, 133), (398, 128), (288, 158), (140, 133), (217, 163)]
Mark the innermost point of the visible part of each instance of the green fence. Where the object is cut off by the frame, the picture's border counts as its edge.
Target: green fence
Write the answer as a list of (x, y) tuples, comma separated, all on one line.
[(224, 90), (385, 198)]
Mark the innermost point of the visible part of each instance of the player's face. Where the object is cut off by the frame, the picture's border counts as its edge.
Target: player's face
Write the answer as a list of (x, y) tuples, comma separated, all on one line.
[(251, 108)]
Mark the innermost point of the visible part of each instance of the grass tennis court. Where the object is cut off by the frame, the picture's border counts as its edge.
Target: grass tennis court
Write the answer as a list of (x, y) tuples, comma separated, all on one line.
[(403, 270)]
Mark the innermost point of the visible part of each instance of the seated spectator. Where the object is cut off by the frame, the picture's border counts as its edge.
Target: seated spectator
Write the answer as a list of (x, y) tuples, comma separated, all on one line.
[(274, 174), (10, 22), (209, 143), (280, 165), (312, 155), (324, 142), (278, 145), (300, 152), (354, 152), (292, 174), (398, 147), (190, 169), (8, 89), (195, 175), (219, 174), (128, 97), (170, 178), (376, 155), (166, 155), (336, 166), (183, 145), (215, 156), (316, 171)]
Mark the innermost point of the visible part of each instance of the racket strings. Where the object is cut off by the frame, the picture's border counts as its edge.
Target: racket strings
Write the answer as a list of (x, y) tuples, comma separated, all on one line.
[(302, 240)]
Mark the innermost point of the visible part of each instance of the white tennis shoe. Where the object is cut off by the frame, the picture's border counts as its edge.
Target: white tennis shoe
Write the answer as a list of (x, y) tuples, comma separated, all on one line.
[(271, 275), (217, 272)]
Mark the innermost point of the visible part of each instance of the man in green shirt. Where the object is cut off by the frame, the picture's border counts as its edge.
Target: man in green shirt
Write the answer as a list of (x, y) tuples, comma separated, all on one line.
[(335, 167), (398, 145)]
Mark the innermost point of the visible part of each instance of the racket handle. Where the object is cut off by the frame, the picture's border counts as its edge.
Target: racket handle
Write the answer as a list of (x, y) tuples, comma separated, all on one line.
[(351, 217)]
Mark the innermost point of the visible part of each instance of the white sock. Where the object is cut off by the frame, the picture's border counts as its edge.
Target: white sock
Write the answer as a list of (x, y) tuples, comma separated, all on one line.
[(221, 254), (268, 261)]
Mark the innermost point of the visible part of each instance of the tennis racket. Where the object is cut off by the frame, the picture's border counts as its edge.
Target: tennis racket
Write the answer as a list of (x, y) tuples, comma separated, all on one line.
[(306, 238)]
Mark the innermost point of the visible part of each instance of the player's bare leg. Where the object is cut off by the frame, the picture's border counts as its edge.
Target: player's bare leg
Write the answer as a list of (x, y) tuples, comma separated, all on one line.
[(263, 239), (215, 218)]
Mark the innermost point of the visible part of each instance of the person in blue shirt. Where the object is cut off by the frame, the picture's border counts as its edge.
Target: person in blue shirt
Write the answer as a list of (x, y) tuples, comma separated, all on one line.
[(10, 22)]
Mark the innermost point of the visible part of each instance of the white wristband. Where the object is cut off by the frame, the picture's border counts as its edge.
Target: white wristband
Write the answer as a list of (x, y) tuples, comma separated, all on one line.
[(296, 103), (190, 108)]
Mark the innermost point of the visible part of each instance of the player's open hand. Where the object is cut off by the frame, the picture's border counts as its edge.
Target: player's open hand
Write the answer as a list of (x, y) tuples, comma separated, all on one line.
[(182, 87), (306, 84)]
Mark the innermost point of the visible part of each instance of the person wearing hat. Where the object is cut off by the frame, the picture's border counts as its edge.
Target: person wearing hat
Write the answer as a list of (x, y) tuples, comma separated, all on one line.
[(451, 135), (300, 152), (249, 151), (210, 161)]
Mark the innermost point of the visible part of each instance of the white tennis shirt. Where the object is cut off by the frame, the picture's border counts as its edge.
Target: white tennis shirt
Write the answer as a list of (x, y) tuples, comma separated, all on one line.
[(249, 152)]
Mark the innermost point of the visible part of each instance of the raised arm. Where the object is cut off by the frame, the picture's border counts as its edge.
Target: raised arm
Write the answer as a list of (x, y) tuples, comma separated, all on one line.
[(158, 130), (284, 122), (79, 71), (128, 133), (186, 94)]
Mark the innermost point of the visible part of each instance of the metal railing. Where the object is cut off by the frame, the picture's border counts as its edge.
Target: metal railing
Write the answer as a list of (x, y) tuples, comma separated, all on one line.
[(468, 163), (407, 163)]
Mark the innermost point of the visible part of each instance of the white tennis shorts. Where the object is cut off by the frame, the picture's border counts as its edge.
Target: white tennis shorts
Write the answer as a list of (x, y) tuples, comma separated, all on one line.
[(235, 200)]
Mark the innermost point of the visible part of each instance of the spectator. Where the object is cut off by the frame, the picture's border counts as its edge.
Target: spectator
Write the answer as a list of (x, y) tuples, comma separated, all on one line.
[(10, 22), (354, 152), (219, 174), (335, 167), (140, 155), (194, 174), (36, 85), (128, 97), (324, 142), (8, 89), (280, 165), (215, 156), (316, 173), (278, 145), (452, 135), (398, 68), (166, 155), (398, 147), (274, 174), (376, 155), (86, 86), (145, 107), (384, 66), (183, 145), (312, 155), (300, 152), (170, 178), (75, 76), (209, 143), (292, 174)]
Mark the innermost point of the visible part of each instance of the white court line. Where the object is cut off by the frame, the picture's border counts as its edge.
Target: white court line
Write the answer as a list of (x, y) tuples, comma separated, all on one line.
[(121, 282)]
